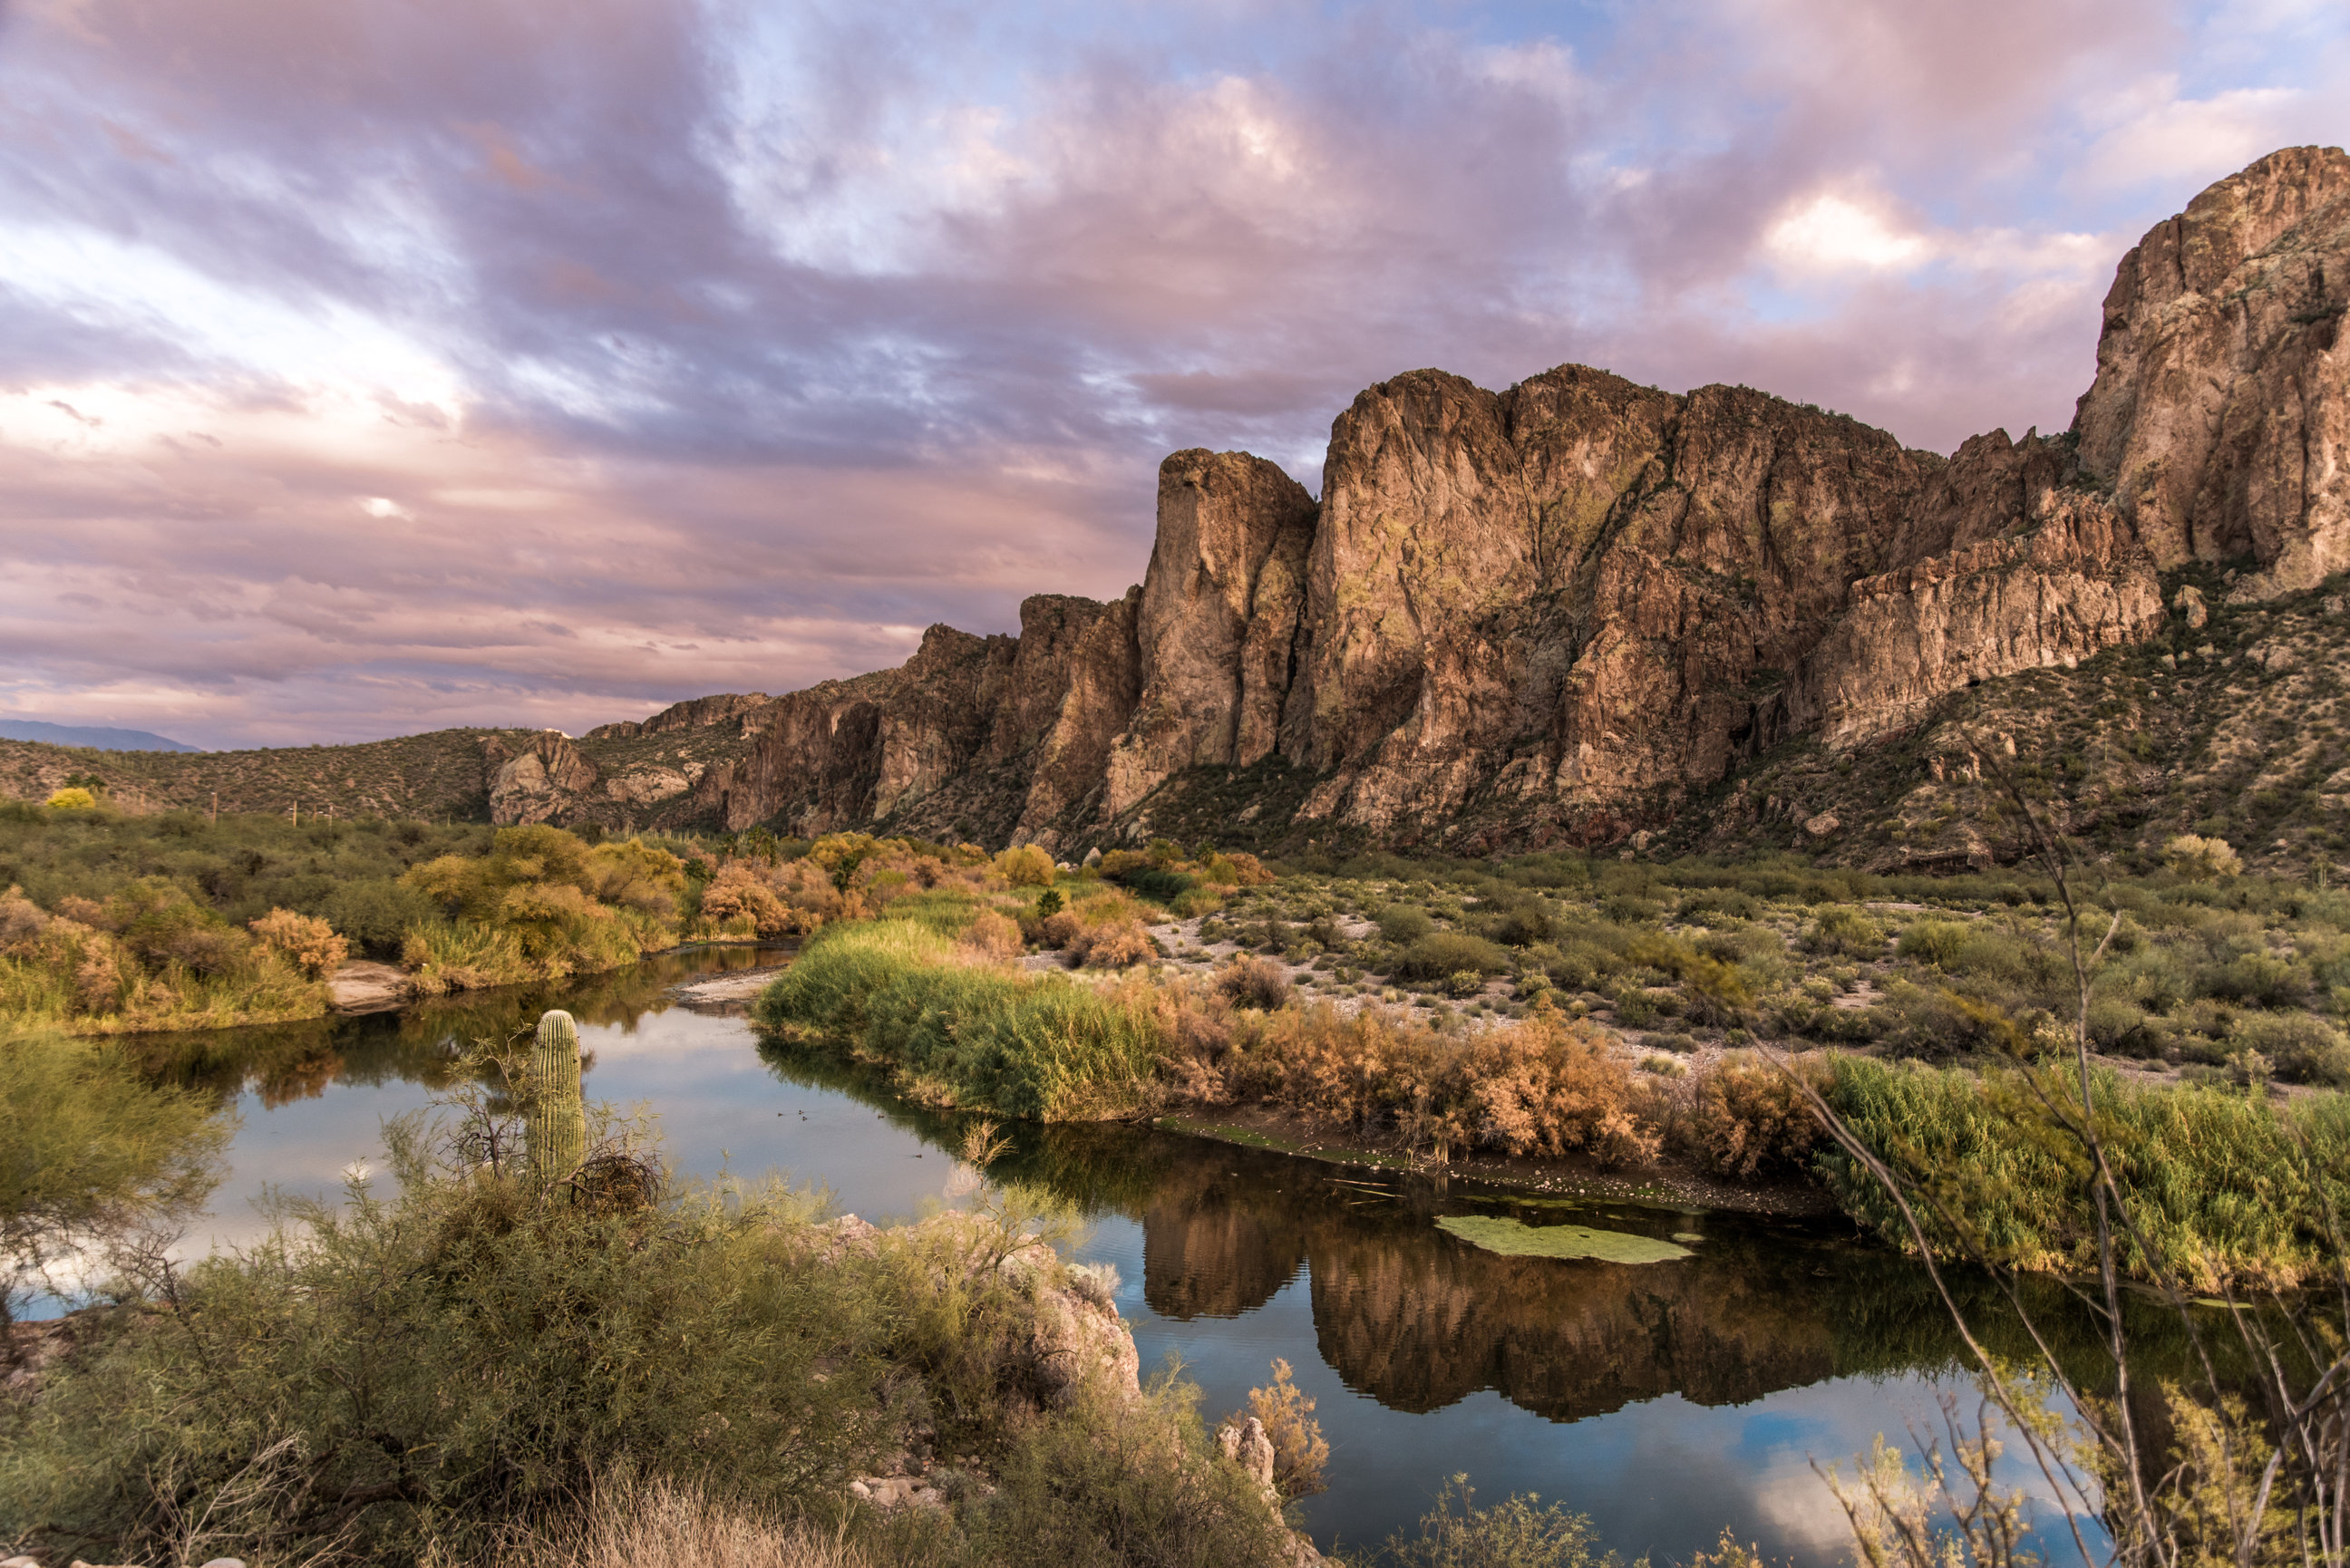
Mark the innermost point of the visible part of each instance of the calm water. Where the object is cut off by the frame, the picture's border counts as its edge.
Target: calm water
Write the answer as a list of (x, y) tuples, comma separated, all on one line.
[(1666, 1401)]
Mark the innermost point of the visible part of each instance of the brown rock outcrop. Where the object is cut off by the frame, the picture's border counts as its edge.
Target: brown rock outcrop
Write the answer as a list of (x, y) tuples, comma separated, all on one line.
[(1559, 611), (2011, 570), (973, 737), (1509, 592), (1219, 620), (2221, 408), (537, 784)]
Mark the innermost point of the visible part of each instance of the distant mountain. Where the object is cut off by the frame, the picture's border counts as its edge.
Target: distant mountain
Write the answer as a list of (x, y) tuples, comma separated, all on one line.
[(97, 735)]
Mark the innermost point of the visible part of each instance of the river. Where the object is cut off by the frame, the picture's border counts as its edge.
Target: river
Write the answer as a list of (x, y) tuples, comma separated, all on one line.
[(1666, 1400)]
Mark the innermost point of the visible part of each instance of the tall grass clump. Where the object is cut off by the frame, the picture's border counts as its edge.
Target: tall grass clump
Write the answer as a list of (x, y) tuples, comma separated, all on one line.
[(2212, 1179), (965, 1031)]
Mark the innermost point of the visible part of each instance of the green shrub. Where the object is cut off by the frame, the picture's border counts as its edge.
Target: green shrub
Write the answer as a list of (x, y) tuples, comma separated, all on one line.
[(1717, 904), (1936, 1020), (1517, 1533), (2258, 979), (1125, 1488), (1442, 954), (416, 1372), (2120, 1027), (1840, 929), (2301, 1047), (95, 1152), (1520, 924), (376, 914), (1936, 942), (1404, 924)]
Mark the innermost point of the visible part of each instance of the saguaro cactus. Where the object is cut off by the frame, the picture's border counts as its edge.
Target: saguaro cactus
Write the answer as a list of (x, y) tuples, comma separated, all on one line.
[(555, 1121)]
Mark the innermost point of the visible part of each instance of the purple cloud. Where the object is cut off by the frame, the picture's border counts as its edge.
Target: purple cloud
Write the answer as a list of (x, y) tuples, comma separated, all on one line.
[(371, 367)]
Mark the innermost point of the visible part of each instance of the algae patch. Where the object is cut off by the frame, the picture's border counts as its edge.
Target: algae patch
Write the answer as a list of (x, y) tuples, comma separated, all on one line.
[(1513, 1239)]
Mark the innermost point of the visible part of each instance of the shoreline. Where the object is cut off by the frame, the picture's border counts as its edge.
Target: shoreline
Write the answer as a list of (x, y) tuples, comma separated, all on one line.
[(1666, 1183)]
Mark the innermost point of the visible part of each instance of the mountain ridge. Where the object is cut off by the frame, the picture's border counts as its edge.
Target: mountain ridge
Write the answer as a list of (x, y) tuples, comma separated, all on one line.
[(1584, 612), (97, 737)]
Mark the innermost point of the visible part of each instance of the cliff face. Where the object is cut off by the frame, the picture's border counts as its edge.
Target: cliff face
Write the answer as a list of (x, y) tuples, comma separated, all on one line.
[(2220, 412), (1219, 621), (1557, 612)]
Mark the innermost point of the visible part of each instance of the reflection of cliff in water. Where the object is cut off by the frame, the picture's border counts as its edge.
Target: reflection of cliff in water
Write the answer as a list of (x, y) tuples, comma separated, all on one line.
[(1419, 1319), (421, 1042)]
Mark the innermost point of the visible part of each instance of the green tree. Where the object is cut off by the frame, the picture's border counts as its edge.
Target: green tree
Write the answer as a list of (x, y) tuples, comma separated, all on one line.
[(94, 1155)]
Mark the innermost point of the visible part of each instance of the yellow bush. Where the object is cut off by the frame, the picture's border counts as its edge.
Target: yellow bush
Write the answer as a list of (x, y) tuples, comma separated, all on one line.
[(634, 874), (308, 944), (1025, 866), (2201, 859), (73, 798)]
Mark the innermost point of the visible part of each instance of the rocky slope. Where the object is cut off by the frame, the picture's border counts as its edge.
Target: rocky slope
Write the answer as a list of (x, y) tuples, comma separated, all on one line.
[(1578, 610)]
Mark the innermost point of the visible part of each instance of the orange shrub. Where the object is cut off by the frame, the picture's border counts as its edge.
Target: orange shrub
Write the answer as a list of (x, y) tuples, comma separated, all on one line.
[(1550, 1086), (992, 936), (1546, 1085), (310, 943), (1748, 1116), (1112, 945), (737, 891)]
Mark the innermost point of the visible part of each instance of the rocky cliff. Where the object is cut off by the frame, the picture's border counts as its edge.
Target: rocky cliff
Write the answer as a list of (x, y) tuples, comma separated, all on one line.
[(1574, 609), (1562, 612)]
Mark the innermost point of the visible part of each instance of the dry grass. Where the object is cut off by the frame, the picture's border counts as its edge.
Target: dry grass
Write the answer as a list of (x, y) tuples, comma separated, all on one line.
[(668, 1525)]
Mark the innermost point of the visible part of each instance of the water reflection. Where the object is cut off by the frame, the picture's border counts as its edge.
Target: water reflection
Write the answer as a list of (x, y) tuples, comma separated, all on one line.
[(1667, 1400), (277, 1065)]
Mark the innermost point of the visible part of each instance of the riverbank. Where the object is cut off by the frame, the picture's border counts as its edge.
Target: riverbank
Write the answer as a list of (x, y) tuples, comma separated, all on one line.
[(948, 1392), (2234, 1188), (371, 918), (1667, 1184)]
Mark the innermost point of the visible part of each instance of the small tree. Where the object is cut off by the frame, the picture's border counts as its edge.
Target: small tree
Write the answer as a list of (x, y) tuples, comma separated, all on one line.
[(95, 1156), (1299, 1450)]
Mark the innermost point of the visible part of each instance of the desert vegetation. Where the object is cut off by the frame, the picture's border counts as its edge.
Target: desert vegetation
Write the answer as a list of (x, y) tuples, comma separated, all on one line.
[(529, 1342), (112, 923), (1618, 1013)]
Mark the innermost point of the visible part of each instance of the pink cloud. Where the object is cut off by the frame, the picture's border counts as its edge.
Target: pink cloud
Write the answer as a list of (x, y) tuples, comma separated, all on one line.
[(405, 362)]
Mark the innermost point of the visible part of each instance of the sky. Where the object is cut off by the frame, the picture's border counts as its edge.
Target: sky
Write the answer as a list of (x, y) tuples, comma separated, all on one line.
[(377, 366)]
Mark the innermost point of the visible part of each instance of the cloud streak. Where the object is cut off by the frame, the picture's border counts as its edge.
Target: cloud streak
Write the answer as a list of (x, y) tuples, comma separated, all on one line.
[(371, 367)]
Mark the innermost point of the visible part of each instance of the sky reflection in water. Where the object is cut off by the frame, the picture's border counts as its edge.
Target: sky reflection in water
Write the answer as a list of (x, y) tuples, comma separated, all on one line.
[(1667, 1402)]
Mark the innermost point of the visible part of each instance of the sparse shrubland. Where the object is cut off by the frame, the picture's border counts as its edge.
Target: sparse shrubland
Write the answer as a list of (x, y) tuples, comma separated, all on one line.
[(1565, 1008), (116, 924), (483, 1367)]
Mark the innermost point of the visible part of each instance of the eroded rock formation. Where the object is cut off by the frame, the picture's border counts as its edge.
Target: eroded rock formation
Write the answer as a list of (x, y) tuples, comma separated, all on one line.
[(2220, 412), (1556, 612)]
